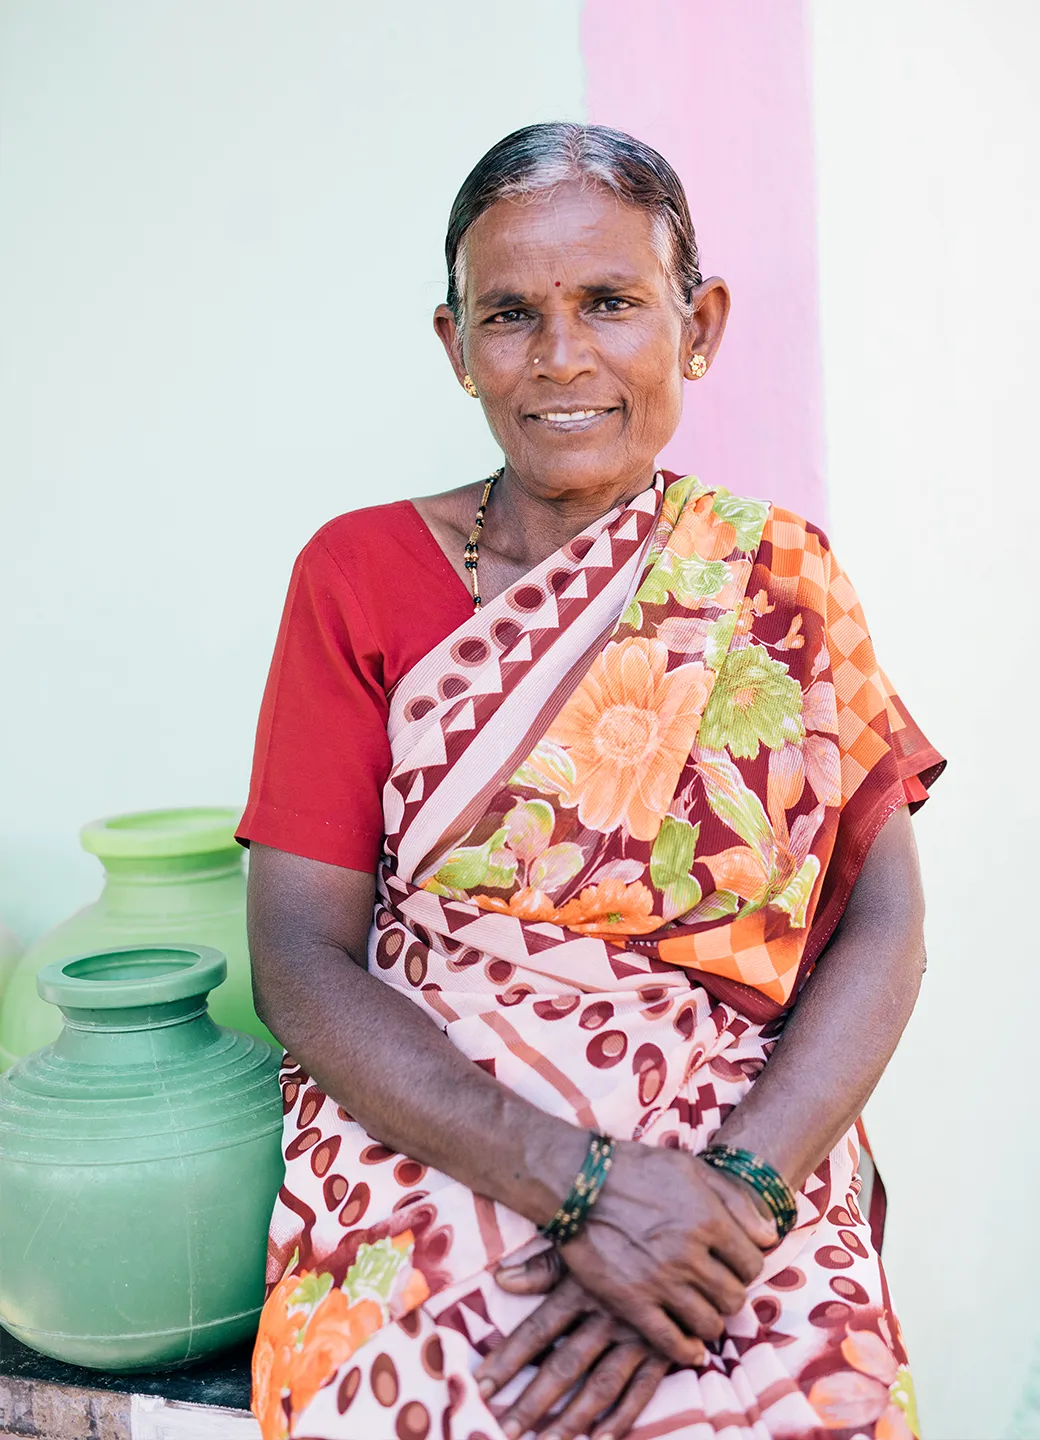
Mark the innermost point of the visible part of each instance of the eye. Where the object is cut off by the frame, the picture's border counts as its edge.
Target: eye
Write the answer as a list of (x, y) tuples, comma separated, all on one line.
[(612, 305), (506, 317)]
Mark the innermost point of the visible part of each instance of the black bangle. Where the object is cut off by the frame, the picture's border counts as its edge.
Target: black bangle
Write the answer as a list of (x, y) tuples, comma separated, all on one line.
[(763, 1179), (583, 1194)]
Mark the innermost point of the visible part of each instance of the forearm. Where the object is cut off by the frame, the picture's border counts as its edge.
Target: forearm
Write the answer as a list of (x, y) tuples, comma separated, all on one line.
[(374, 1052), (846, 1023)]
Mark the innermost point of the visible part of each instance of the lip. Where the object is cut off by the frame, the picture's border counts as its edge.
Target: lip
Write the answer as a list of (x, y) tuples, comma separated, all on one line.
[(573, 427)]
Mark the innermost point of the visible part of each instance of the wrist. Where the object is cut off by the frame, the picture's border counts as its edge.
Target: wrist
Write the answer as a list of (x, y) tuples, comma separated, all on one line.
[(576, 1208), (739, 1183), (786, 1155), (759, 1176), (550, 1155)]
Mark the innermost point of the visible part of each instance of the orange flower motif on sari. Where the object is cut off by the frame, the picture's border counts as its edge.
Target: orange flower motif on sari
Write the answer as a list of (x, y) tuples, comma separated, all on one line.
[(628, 730), (524, 904), (876, 1389), (740, 870), (611, 908), (703, 532), (273, 1357), (309, 1327), (335, 1330)]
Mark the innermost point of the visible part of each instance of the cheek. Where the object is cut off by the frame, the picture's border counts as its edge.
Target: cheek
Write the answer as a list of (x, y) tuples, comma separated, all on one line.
[(655, 381), (502, 362)]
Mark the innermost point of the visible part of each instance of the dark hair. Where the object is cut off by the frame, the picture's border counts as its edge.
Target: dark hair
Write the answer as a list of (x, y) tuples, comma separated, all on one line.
[(539, 157)]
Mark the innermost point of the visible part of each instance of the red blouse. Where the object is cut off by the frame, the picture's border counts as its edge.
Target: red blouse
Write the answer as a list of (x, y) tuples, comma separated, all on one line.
[(370, 595)]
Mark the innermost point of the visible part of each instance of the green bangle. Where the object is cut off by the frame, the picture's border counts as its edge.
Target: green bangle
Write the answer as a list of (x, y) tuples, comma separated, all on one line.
[(583, 1194), (763, 1179)]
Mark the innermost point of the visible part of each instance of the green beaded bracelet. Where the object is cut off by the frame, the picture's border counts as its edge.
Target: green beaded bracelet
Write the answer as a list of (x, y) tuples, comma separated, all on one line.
[(763, 1179), (583, 1194)]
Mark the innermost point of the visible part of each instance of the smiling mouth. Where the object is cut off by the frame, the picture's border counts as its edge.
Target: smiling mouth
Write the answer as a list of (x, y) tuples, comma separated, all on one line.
[(571, 419)]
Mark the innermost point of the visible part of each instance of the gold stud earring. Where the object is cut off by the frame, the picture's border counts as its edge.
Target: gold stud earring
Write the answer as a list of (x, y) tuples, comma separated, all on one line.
[(469, 387), (697, 366)]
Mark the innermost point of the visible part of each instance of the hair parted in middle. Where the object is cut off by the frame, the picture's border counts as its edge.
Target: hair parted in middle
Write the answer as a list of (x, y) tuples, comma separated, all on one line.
[(540, 157)]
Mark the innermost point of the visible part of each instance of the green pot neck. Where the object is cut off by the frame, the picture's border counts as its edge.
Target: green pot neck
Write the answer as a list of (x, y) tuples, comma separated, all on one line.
[(212, 881), (144, 1034)]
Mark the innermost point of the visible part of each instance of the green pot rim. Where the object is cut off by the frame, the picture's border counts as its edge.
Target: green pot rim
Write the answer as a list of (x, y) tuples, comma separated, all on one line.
[(178, 973), (162, 834)]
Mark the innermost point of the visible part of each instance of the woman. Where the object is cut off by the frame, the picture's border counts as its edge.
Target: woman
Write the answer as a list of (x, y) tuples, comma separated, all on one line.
[(583, 892)]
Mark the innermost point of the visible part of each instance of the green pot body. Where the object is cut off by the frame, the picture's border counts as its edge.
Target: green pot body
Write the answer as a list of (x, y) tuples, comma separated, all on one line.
[(141, 1157), (172, 877), (10, 954)]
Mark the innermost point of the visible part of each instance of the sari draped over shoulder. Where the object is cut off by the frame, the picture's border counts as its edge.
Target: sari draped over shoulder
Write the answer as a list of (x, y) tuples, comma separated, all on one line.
[(628, 802)]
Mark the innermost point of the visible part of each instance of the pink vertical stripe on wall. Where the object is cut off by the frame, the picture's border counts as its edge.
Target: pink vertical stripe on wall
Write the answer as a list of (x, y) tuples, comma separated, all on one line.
[(722, 89)]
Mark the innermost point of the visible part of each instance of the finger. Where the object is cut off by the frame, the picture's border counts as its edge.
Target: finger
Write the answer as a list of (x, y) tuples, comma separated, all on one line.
[(553, 1317), (634, 1401), (558, 1373), (718, 1283), (662, 1333), (535, 1276), (599, 1391), (695, 1314), (731, 1243)]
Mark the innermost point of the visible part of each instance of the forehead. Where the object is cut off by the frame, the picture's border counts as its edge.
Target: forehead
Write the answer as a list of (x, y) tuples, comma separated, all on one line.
[(571, 231)]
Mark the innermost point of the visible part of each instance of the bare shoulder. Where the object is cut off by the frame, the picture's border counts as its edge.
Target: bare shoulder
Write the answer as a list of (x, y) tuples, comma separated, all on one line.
[(450, 513)]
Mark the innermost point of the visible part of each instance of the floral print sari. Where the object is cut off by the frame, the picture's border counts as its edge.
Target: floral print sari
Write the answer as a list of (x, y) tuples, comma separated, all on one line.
[(628, 803)]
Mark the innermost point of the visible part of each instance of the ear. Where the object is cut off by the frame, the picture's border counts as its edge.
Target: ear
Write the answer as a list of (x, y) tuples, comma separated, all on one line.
[(447, 333), (708, 322)]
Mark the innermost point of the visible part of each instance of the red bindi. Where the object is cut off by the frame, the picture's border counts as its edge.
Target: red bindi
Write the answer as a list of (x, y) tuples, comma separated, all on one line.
[(557, 284)]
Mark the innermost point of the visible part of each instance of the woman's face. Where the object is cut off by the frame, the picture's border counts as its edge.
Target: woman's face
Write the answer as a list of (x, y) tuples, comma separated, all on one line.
[(573, 340)]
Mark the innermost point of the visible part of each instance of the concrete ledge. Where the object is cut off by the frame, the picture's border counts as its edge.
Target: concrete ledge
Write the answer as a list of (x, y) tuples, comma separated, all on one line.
[(41, 1399)]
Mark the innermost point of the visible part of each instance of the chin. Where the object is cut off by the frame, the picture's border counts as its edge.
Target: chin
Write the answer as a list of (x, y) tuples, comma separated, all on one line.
[(587, 467)]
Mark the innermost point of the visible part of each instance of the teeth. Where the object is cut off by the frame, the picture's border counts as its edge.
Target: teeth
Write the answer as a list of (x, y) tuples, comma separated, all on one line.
[(562, 416)]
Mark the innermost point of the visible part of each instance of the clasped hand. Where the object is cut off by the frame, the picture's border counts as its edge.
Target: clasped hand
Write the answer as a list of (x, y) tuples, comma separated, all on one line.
[(667, 1254)]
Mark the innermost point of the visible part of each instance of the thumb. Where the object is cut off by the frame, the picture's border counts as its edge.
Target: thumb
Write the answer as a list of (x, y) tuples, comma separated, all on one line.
[(535, 1276), (739, 1201)]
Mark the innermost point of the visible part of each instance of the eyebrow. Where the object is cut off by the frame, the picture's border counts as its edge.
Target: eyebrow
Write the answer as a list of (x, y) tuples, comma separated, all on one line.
[(609, 285)]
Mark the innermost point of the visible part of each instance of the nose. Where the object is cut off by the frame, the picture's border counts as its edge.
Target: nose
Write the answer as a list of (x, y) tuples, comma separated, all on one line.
[(561, 351)]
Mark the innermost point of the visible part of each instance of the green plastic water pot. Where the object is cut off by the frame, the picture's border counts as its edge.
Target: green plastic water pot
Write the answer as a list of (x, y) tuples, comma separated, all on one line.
[(10, 954), (172, 877), (140, 1159)]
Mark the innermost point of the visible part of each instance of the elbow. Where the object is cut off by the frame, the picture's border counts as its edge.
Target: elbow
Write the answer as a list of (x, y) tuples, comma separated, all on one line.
[(262, 998)]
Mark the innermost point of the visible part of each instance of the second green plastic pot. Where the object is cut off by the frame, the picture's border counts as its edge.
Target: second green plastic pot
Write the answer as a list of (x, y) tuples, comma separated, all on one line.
[(172, 877)]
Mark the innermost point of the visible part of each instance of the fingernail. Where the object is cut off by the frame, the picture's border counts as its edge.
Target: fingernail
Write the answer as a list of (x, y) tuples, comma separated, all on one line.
[(486, 1387), (512, 1430)]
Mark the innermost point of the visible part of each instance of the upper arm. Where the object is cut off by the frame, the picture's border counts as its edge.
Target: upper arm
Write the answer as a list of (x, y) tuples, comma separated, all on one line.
[(887, 896), (297, 905)]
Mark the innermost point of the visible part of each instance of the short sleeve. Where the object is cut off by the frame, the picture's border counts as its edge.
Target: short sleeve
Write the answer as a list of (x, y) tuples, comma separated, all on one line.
[(322, 755)]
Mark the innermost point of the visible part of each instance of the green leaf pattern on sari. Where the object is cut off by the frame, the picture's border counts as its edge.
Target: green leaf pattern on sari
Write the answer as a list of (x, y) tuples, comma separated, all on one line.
[(755, 701), (748, 517), (375, 1270), (671, 863)]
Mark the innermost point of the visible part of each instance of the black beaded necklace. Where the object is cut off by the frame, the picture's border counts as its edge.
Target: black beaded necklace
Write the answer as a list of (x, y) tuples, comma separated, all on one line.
[(473, 543)]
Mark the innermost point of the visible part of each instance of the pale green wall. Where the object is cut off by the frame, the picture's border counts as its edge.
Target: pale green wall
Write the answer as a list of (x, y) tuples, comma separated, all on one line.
[(927, 120), (221, 231)]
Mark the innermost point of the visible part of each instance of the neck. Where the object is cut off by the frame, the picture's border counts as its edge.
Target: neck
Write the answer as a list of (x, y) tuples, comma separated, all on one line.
[(526, 522)]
